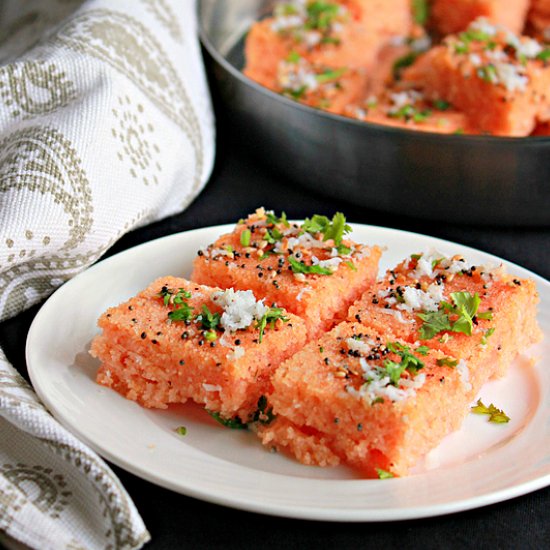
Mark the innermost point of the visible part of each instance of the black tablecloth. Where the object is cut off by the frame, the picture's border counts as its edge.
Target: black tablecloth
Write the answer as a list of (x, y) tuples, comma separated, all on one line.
[(238, 186)]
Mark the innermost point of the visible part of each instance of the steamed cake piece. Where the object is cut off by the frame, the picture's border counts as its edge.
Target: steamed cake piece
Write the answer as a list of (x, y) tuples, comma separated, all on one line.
[(344, 34), (410, 109), (539, 19), (178, 340), (366, 399), (324, 54), (452, 16), (477, 314), (311, 269), (320, 86), (499, 80)]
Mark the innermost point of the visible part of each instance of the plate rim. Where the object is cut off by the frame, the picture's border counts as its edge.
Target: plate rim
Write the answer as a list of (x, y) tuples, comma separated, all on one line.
[(384, 514)]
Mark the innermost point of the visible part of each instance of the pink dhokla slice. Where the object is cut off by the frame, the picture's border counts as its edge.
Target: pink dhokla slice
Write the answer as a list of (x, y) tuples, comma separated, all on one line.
[(311, 269), (178, 340), (365, 399)]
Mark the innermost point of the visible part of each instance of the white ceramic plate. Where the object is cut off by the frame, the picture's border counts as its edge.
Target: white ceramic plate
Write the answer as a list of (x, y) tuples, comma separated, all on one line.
[(481, 464)]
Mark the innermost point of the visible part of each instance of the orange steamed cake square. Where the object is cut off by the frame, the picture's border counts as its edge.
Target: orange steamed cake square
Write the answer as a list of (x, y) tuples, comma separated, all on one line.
[(321, 53), (311, 269), (475, 313), (452, 16), (366, 399), (178, 340), (499, 80)]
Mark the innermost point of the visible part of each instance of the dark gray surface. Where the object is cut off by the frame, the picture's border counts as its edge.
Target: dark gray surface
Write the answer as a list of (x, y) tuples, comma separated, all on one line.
[(238, 186)]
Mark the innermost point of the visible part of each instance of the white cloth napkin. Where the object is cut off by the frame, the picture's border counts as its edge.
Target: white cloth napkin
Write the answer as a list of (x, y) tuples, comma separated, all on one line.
[(105, 125)]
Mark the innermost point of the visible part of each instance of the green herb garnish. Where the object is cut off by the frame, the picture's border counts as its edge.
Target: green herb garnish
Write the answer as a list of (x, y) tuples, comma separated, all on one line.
[(295, 94), (181, 430), (321, 15), (273, 219), (441, 105), (495, 415), (329, 75), (434, 323), (208, 320), (263, 415), (233, 423), (301, 267), (465, 308), (273, 235), (421, 11), (383, 474), (183, 313), (487, 334), (210, 335), (245, 237), (544, 55), (409, 112), (293, 57), (403, 62), (409, 361), (447, 362), (176, 297), (334, 229), (269, 317), (488, 73)]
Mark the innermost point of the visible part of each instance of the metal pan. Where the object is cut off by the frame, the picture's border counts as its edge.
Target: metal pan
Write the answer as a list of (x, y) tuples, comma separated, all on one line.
[(458, 178)]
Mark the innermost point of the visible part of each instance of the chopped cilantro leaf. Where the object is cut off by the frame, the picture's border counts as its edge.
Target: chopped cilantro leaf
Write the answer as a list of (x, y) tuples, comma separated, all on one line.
[(488, 73), (301, 267), (274, 220), (263, 415), (321, 15), (343, 250), (334, 229), (544, 55), (265, 255), (420, 11), (497, 416), (295, 94), (208, 320), (183, 313), (409, 112), (273, 235), (351, 265), (409, 361), (285, 8), (176, 297), (487, 334), (383, 474), (434, 323), (485, 315), (329, 75), (447, 362), (210, 335), (403, 62), (233, 423), (465, 308), (293, 57), (423, 350), (269, 317), (441, 105), (245, 237), (394, 370), (181, 430)]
